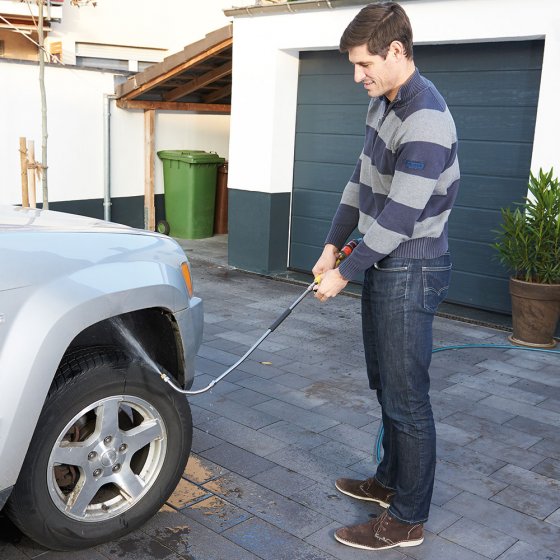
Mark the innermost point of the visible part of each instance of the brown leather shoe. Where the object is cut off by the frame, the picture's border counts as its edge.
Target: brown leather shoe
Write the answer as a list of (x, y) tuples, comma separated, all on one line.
[(381, 533), (369, 490)]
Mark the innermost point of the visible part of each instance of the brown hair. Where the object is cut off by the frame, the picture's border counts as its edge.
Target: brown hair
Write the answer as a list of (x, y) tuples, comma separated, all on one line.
[(378, 25)]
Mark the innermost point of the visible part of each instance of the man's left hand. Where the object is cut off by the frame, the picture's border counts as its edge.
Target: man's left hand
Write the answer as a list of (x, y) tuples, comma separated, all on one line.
[(332, 282)]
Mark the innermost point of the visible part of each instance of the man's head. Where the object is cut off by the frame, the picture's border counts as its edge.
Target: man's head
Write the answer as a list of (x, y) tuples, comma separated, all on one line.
[(379, 44)]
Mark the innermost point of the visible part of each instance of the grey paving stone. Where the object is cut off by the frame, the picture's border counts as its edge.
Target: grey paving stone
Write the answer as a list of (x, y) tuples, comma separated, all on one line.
[(359, 439), (484, 410), (200, 470), (247, 397), (539, 389), (248, 339), (509, 453), (216, 355), (216, 514), (505, 433), (554, 518), (440, 519), (497, 377), (326, 499), (339, 453), (203, 365), (546, 447), (251, 440), (548, 467), (313, 467), (201, 415), (293, 380), (479, 538), (282, 480), (467, 458), (535, 505), (469, 480), (521, 409), (453, 434), (237, 460), (203, 441), (282, 393), (550, 404), (296, 435), (248, 416), (541, 375), (10, 552), (137, 546), (296, 415), (465, 392), (271, 543), (224, 387), (190, 539), (344, 414), (529, 480), (435, 547), (501, 518), (270, 506), (535, 428), (261, 370), (324, 540), (89, 554), (443, 492), (523, 551), (512, 392)]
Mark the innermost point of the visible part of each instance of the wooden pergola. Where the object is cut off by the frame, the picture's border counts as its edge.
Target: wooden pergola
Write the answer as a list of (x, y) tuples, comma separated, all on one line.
[(196, 79)]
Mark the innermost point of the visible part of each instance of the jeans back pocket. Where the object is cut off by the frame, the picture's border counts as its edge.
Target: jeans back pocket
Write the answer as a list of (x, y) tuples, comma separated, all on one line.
[(435, 281)]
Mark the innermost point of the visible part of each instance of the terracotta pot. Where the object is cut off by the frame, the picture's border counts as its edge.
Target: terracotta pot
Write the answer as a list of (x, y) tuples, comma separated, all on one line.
[(535, 313)]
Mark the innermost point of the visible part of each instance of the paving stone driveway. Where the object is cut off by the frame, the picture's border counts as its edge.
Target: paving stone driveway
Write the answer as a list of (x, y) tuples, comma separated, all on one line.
[(272, 437)]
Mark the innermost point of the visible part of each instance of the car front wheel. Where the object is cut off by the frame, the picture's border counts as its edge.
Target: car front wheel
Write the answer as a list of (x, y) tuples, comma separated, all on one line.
[(110, 446)]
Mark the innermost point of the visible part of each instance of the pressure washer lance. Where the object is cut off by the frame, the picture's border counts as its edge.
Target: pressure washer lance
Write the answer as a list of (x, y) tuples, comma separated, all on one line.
[(344, 252)]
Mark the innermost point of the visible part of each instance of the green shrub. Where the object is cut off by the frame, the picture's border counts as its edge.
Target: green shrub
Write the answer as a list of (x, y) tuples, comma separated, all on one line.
[(528, 242)]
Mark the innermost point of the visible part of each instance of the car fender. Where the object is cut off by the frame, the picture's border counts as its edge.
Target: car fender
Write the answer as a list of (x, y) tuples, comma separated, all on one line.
[(48, 321)]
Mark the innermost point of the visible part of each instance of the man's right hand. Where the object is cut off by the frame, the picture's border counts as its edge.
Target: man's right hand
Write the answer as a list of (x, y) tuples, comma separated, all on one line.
[(327, 260)]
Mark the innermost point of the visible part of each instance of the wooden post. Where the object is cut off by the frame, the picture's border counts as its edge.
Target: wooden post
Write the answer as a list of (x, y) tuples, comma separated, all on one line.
[(33, 168), (149, 159), (23, 163)]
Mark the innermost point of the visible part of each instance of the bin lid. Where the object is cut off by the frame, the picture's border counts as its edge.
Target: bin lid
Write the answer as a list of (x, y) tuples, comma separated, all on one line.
[(191, 156)]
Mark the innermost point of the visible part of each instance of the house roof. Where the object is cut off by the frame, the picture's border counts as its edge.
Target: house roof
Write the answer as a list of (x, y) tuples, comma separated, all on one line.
[(198, 78)]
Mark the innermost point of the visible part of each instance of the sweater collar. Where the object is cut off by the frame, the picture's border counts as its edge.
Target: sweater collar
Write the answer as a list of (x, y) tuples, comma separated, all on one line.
[(414, 85)]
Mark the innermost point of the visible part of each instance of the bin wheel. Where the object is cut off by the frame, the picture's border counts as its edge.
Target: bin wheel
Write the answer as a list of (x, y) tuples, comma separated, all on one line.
[(162, 227)]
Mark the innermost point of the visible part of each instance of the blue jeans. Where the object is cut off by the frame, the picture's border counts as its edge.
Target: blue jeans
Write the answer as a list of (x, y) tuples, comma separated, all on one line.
[(399, 301)]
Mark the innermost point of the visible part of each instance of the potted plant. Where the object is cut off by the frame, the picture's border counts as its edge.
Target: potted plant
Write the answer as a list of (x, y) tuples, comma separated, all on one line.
[(528, 244)]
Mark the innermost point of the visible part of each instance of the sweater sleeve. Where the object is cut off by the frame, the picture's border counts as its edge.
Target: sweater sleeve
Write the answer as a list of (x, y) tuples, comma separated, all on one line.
[(347, 215), (421, 158)]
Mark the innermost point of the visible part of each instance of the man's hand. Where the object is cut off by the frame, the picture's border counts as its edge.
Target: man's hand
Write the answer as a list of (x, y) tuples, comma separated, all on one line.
[(332, 282), (327, 261)]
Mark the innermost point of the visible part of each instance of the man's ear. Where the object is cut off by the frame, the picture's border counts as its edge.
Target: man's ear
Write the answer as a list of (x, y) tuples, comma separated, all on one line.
[(396, 50)]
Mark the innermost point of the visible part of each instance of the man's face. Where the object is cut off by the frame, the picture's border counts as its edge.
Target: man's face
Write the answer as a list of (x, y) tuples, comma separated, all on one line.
[(378, 75)]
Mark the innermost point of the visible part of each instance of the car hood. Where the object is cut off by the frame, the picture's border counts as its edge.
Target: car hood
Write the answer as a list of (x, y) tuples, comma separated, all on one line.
[(15, 217)]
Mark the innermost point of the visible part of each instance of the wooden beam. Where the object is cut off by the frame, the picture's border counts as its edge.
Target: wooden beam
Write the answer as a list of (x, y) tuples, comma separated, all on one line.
[(23, 164), (177, 69), (199, 82), (33, 168), (174, 106), (149, 170), (218, 94)]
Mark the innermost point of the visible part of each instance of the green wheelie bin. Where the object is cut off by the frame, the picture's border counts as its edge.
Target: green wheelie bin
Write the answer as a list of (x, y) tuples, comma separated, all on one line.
[(189, 182)]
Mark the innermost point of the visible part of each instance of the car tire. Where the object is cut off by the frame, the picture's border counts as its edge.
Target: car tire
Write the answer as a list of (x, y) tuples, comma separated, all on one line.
[(110, 446)]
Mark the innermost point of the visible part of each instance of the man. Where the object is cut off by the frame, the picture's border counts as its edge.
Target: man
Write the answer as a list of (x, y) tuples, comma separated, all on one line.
[(400, 196)]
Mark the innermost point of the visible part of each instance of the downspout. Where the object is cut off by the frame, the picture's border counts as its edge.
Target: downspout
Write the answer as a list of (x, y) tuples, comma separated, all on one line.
[(107, 155)]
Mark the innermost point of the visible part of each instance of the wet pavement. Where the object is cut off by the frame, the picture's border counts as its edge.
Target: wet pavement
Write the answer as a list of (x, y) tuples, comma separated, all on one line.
[(270, 439)]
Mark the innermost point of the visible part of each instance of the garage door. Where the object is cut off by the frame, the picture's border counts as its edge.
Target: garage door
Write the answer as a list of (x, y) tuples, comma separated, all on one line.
[(492, 91)]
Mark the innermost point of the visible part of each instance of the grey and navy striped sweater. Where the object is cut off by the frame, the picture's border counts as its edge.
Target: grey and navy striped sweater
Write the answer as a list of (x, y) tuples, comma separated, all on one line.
[(405, 182)]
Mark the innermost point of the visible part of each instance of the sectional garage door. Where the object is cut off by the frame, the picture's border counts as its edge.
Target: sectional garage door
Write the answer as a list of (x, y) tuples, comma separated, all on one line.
[(492, 92)]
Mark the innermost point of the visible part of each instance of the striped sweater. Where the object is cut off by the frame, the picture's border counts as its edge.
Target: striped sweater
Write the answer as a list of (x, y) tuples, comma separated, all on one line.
[(405, 182)]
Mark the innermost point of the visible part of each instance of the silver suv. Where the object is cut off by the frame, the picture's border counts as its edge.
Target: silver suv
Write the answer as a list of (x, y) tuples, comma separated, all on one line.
[(92, 442)]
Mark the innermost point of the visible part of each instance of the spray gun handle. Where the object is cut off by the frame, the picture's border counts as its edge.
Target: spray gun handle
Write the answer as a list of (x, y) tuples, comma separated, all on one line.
[(341, 255)]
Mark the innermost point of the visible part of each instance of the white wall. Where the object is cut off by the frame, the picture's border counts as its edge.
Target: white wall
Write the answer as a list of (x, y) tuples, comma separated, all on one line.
[(265, 71), (167, 24), (75, 126)]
